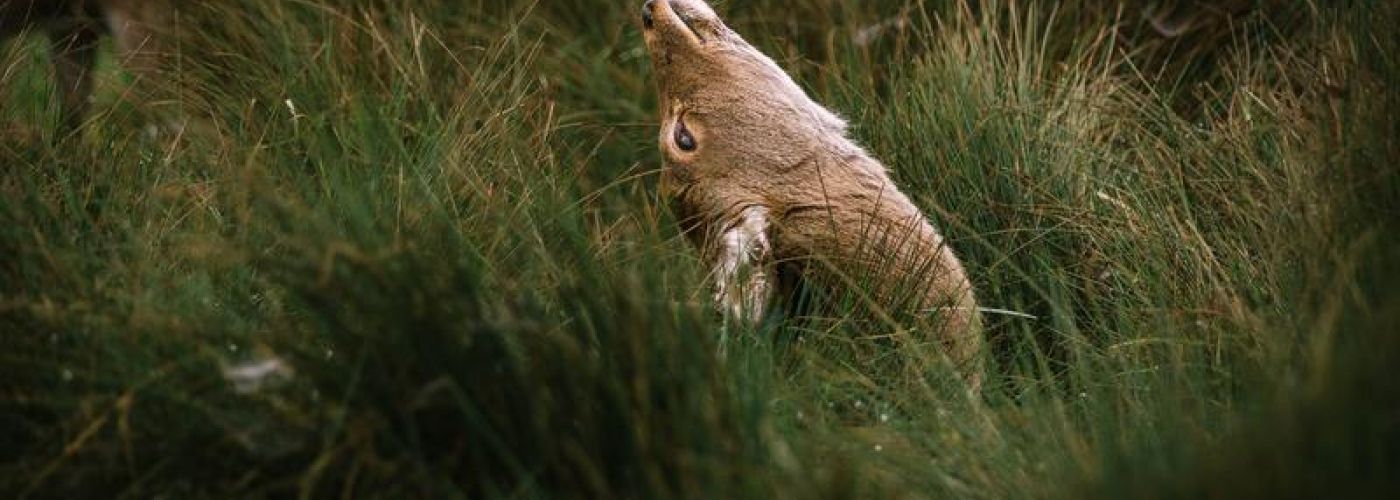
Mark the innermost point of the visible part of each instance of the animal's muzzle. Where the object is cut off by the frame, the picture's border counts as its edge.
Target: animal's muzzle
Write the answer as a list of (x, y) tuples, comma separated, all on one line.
[(648, 19)]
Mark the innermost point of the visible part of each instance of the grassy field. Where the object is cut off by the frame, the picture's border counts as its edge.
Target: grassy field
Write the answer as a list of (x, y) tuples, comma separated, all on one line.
[(438, 220)]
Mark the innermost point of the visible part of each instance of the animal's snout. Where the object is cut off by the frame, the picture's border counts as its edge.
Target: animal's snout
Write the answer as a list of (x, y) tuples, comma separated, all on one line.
[(648, 18)]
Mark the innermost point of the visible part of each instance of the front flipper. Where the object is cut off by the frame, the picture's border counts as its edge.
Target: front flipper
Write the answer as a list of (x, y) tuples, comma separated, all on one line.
[(744, 267)]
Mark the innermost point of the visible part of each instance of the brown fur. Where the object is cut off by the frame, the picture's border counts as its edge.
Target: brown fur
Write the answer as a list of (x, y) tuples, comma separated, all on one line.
[(773, 184), (74, 28)]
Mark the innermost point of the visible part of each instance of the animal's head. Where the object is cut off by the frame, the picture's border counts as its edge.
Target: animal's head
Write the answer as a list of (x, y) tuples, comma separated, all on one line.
[(724, 105)]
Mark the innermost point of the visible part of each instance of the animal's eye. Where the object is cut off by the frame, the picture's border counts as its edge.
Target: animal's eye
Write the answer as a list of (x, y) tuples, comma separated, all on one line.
[(684, 139)]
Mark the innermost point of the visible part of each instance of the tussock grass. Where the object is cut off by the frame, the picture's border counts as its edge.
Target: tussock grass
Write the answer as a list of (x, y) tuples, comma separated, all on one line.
[(437, 220)]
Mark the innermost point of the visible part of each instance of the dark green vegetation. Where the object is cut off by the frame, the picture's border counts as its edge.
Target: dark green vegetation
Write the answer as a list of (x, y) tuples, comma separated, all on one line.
[(454, 243)]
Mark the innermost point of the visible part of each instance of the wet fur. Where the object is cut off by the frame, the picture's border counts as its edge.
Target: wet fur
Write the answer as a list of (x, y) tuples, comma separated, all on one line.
[(775, 186)]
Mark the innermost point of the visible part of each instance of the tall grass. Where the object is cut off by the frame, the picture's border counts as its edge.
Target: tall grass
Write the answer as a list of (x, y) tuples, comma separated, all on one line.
[(438, 218)]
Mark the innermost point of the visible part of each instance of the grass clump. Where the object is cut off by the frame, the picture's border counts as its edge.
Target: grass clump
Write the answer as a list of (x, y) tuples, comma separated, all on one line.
[(433, 226)]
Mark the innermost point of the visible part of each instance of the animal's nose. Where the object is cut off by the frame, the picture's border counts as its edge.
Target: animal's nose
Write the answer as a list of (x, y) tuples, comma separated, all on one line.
[(647, 19)]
